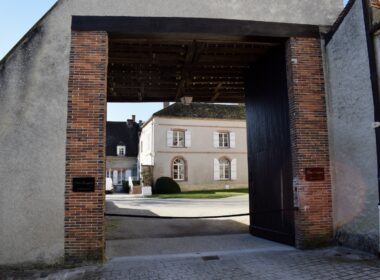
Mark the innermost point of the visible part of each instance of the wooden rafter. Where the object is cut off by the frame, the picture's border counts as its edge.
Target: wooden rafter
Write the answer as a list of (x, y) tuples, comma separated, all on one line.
[(158, 70), (141, 92), (216, 92), (189, 60)]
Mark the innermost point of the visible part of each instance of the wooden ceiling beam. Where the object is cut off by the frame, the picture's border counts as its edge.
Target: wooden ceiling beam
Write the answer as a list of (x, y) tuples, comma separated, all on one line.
[(210, 71), (216, 92), (253, 41), (131, 99), (141, 92), (189, 60)]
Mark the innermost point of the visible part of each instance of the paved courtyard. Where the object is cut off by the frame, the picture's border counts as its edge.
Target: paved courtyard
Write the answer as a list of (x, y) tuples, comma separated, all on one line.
[(209, 257), (269, 263), (137, 236), (121, 228)]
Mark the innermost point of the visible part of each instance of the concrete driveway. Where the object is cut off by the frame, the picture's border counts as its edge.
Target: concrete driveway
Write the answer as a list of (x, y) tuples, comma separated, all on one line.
[(121, 228), (139, 237)]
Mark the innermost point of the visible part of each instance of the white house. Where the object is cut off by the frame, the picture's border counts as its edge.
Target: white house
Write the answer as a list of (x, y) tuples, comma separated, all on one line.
[(201, 146)]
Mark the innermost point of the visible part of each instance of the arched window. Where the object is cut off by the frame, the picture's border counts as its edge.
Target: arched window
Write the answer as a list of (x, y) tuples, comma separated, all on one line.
[(225, 169), (179, 169)]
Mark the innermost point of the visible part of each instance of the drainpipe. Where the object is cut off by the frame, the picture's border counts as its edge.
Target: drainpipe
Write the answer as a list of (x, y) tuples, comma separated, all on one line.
[(375, 85)]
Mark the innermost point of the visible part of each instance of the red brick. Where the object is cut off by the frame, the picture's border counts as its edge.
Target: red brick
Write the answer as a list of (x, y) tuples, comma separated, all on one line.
[(309, 138)]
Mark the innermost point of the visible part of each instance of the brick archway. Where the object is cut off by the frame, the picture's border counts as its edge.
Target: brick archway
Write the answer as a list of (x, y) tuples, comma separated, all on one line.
[(85, 154)]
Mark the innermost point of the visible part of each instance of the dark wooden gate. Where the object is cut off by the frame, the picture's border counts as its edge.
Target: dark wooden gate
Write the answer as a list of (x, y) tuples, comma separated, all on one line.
[(269, 151)]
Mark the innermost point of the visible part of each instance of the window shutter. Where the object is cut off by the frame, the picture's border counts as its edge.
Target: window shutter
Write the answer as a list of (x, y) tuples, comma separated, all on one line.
[(216, 139), (232, 140), (169, 138), (216, 170), (234, 169), (187, 138)]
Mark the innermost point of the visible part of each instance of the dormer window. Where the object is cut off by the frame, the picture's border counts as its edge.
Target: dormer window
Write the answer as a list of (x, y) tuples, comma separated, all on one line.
[(121, 150)]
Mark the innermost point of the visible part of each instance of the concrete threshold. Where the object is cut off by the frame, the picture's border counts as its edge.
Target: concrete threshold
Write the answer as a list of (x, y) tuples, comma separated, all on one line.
[(193, 246), (199, 255)]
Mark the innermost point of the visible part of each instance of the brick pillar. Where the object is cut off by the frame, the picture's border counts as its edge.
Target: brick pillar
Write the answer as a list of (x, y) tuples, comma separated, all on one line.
[(309, 138), (85, 147)]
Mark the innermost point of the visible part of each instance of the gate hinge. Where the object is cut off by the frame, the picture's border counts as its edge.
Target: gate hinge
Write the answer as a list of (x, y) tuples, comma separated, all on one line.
[(375, 124)]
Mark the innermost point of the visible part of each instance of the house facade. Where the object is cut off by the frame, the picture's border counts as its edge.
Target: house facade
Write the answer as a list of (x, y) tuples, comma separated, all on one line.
[(201, 146), (122, 150)]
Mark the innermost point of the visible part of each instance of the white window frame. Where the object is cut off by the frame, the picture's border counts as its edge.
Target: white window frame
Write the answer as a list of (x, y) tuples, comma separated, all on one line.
[(121, 151), (176, 138), (180, 165), (224, 169), (224, 139)]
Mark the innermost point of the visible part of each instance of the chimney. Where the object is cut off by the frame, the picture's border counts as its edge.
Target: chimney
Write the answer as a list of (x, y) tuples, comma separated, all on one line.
[(129, 123), (134, 118), (166, 104)]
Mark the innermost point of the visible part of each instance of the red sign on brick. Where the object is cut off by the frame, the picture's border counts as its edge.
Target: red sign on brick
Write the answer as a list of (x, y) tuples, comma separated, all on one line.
[(315, 174)]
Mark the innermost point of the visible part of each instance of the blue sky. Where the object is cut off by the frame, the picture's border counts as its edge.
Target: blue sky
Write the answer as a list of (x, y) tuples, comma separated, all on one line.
[(18, 16)]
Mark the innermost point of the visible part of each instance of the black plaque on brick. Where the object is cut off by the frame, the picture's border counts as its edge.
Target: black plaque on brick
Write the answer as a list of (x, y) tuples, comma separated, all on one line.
[(315, 174), (84, 184)]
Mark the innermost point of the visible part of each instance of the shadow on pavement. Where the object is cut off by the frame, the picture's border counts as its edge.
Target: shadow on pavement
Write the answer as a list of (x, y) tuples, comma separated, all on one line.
[(123, 228)]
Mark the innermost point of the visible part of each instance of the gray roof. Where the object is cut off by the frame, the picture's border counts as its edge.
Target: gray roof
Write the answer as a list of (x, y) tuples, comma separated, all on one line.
[(203, 110), (120, 133)]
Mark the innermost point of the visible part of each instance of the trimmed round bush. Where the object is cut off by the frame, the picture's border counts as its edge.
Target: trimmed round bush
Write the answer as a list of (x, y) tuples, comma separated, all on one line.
[(166, 185), (126, 187)]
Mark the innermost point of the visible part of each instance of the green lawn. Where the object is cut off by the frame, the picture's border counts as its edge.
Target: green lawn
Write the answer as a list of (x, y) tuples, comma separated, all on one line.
[(212, 194)]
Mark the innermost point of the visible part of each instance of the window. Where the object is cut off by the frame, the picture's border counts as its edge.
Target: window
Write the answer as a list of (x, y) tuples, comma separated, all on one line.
[(178, 138), (119, 177), (114, 176), (224, 169), (179, 169), (224, 139), (120, 150)]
